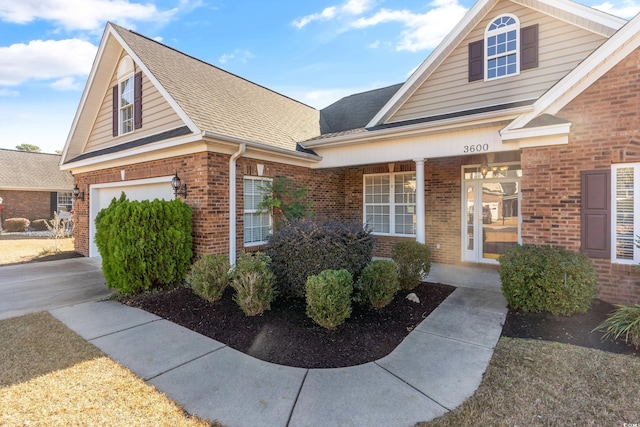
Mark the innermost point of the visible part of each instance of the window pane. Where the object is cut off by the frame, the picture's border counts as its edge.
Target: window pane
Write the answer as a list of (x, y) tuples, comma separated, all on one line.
[(405, 220), (257, 226), (624, 214)]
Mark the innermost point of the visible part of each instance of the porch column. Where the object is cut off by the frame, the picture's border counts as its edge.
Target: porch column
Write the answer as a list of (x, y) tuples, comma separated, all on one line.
[(420, 207)]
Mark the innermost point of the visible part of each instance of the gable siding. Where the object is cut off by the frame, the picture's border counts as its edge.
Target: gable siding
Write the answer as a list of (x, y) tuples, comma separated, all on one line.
[(157, 116), (561, 47)]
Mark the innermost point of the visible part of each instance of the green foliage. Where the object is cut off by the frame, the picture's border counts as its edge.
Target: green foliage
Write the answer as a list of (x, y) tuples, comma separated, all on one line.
[(328, 297), (144, 244), (286, 199), (28, 147), (547, 279), (308, 246), (413, 260), (16, 225), (209, 276), (379, 282), (624, 321), (254, 283)]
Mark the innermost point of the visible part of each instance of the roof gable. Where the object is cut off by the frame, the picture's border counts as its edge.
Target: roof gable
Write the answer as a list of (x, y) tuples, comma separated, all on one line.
[(23, 170), (581, 16)]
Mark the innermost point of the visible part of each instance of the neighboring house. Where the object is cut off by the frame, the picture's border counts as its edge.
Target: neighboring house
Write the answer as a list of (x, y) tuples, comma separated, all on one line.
[(32, 185), (522, 126)]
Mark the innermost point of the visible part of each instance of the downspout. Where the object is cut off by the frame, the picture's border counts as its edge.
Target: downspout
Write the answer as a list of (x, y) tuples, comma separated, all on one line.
[(232, 202)]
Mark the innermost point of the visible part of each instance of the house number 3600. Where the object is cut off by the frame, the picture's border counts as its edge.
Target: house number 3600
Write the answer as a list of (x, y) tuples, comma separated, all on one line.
[(476, 148)]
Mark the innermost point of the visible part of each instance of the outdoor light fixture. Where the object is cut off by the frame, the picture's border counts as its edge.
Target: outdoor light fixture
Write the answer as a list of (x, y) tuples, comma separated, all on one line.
[(484, 168), (179, 189), (77, 194)]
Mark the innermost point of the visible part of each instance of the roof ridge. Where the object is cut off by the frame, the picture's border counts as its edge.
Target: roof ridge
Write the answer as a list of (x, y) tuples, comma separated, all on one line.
[(210, 65), (30, 152)]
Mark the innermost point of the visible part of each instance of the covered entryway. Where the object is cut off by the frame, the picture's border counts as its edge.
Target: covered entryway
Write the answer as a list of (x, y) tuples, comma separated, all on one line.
[(143, 189)]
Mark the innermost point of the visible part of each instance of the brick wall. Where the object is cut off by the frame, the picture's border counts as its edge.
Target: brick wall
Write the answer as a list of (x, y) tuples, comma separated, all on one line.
[(605, 129), (26, 204)]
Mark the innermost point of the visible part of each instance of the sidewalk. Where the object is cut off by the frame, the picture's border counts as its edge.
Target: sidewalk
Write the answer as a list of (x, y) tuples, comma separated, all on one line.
[(435, 369)]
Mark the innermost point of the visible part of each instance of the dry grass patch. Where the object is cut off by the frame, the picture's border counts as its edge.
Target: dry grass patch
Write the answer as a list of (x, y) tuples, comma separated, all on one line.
[(50, 376), (22, 248), (544, 383)]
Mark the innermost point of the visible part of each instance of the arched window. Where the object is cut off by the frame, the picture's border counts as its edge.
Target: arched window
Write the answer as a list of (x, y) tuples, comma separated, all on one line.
[(127, 99), (502, 47)]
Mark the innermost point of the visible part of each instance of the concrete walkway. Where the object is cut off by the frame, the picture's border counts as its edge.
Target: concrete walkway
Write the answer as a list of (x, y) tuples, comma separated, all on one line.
[(435, 369)]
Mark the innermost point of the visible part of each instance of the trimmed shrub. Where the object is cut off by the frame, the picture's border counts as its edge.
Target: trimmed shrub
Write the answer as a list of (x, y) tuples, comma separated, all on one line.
[(413, 260), (16, 225), (253, 282), (624, 321), (39, 225), (549, 279), (144, 244), (209, 276), (307, 246), (328, 297), (379, 282)]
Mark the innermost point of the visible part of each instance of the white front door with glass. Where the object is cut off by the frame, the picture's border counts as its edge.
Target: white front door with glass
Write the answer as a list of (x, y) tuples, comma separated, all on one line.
[(490, 212)]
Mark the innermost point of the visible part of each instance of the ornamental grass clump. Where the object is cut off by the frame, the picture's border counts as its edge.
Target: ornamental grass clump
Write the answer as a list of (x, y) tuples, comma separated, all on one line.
[(623, 322), (307, 246), (379, 282), (328, 297), (209, 276), (254, 283), (16, 225), (547, 279), (413, 260)]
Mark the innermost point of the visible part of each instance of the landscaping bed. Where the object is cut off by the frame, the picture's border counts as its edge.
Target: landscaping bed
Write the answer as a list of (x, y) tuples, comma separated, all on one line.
[(286, 336)]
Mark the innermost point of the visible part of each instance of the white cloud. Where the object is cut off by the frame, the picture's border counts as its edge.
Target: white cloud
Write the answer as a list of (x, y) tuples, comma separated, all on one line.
[(67, 83), (623, 9), (238, 55), (45, 60), (349, 8), (422, 31), (82, 14), (8, 92)]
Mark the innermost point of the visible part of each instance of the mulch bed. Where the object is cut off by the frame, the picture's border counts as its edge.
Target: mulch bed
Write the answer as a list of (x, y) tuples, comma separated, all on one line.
[(286, 336)]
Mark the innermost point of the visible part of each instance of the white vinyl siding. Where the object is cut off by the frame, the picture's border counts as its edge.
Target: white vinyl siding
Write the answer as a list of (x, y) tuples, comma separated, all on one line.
[(561, 47), (626, 224), (257, 225), (390, 203)]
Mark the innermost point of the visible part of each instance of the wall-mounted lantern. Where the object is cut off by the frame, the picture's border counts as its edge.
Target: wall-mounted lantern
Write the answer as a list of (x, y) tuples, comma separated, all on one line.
[(179, 189), (77, 194)]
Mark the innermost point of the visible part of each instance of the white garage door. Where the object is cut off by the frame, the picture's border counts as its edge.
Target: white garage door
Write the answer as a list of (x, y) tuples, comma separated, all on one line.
[(144, 189)]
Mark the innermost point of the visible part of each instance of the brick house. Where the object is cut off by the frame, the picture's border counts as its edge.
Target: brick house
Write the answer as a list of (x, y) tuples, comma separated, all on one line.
[(520, 127), (32, 185)]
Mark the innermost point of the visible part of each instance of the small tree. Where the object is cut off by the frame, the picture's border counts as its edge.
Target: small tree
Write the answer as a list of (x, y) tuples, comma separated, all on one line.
[(286, 199), (28, 147), (60, 229)]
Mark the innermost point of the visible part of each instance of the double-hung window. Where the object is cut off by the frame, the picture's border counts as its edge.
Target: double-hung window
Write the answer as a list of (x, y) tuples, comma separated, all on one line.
[(390, 203), (257, 224), (502, 47), (64, 201), (126, 106), (625, 213)]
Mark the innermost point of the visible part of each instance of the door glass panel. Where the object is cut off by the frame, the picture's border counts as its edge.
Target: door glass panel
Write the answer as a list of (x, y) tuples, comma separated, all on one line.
[(499, 217), (470, 217)]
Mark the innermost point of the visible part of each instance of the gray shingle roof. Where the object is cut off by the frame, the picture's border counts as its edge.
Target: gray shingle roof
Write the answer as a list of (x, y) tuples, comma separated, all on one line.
[(33, 171), (218, 101)]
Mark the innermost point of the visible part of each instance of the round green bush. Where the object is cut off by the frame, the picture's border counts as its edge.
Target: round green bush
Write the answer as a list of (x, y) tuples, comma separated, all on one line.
[(413, 260), (254, 283), (209, 276), (328, 297), (379, 282), (547, 279)]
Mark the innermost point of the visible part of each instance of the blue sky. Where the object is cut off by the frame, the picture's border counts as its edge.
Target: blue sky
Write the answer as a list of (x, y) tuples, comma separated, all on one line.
[(315, 51)]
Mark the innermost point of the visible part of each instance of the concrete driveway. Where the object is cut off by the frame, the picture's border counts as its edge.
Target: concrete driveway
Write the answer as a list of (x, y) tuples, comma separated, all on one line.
[(41, 286)]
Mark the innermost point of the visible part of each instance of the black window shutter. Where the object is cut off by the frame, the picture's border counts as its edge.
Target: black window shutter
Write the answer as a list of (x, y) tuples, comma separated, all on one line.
[(137, 100), (53, 203), (476, 61), (529, 47), (596, 213), (114, 112)]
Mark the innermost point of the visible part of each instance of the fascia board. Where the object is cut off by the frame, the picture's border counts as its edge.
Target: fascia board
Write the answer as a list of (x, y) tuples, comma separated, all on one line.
[(537, 132), (602, 18)]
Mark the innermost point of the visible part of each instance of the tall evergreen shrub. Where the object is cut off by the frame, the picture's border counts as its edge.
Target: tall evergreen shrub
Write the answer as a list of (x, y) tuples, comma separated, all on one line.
[(144, 244)]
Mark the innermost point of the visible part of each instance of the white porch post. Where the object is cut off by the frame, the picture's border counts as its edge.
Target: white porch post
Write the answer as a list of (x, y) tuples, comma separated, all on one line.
[(420, 206)]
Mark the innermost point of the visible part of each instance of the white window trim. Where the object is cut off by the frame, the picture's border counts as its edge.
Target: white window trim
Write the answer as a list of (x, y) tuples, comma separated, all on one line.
[(392, 203), (636, 212), (121, 107), (254, 211), (488, 33)]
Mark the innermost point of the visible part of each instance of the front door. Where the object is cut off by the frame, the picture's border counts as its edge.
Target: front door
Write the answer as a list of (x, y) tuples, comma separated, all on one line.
[(491, 212)]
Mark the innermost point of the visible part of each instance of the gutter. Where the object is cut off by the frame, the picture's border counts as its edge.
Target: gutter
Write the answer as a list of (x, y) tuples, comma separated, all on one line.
[(232, 202)]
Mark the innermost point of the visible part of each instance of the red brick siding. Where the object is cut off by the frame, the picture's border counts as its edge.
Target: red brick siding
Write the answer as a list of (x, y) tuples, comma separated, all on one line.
[(605, 129), (26, 204)]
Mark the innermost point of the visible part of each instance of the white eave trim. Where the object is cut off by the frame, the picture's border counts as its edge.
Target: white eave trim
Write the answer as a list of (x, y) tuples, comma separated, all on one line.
[(445, 125), (535, 132)]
